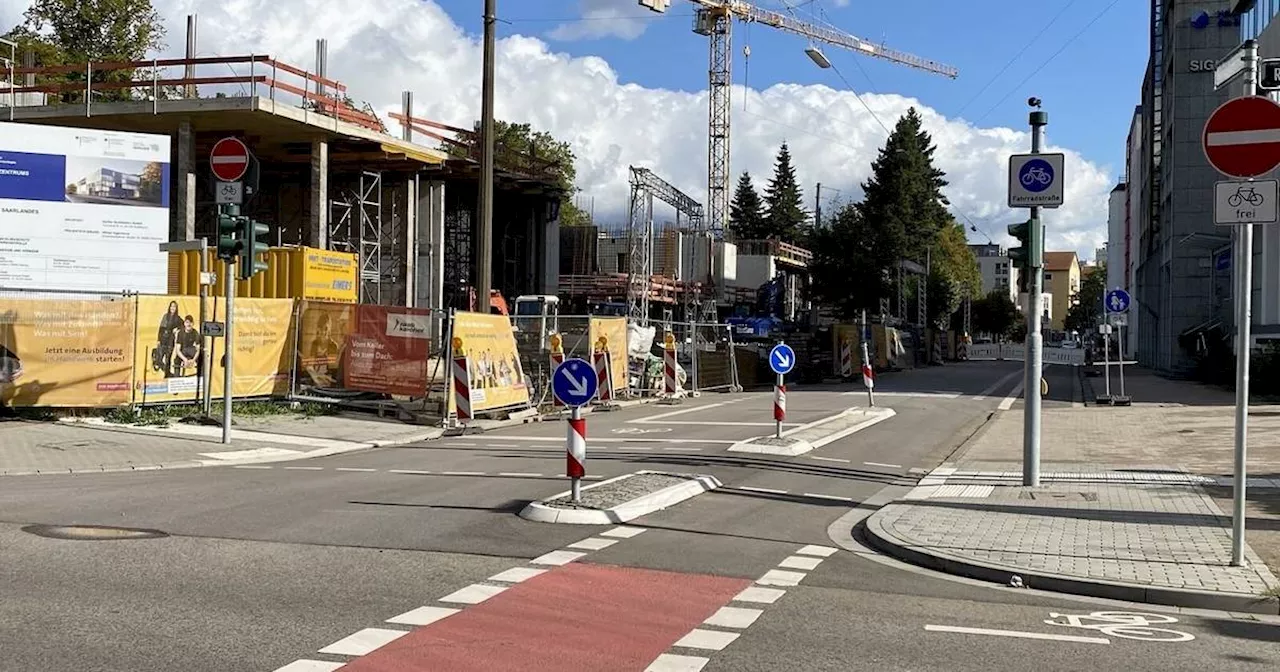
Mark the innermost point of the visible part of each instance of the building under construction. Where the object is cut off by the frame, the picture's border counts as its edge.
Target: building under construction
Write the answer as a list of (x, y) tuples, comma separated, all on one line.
[(329, 173)]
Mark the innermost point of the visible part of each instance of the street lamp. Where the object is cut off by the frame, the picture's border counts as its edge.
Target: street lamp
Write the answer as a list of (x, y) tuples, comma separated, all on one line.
[(819, 59)]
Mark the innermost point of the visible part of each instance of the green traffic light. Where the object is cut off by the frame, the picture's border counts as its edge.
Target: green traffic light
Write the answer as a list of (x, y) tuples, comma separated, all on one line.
[(228, 244), (253, 234)]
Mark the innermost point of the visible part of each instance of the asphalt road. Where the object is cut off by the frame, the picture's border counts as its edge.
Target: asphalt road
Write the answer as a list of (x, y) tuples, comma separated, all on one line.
[(264, 566)]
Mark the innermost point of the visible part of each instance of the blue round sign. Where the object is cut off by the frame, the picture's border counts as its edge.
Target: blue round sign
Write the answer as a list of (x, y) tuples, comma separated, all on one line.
[(782, 359), (1117, 301), (574, 382), (1036, 175)]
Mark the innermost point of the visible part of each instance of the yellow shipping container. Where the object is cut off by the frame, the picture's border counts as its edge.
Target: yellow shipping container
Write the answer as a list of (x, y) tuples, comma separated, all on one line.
[(292, 273)]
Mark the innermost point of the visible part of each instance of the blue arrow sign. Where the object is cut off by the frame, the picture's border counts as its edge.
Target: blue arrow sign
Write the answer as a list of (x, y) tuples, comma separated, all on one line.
[(782, 359), (1117, 301), (574, 382)]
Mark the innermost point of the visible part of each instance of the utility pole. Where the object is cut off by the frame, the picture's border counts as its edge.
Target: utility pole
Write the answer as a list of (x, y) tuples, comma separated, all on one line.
[(484, 209), (1244, 318), (817, 208), (1035, 342)]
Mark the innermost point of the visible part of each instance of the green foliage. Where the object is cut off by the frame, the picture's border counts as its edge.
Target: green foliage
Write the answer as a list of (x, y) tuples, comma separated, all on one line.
[(851, 262), (1083, 314), (746, 212), (784, 211), (63, 32), (905, 190), (944, 298), (996, 314)]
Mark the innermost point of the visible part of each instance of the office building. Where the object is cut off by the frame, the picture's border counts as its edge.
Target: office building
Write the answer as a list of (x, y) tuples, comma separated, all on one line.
[(998, 274), (1062, 280)]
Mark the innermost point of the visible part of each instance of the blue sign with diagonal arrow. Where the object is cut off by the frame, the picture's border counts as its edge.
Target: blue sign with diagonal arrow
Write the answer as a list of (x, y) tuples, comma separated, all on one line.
[(782, 359), (574, 382)]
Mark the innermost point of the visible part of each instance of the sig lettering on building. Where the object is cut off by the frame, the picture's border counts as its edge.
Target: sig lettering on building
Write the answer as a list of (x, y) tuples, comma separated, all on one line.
[(408, 326)]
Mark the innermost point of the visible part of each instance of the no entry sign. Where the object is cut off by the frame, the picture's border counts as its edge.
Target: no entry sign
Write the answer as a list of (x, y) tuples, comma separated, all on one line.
[(229, 159), (1242, 137)]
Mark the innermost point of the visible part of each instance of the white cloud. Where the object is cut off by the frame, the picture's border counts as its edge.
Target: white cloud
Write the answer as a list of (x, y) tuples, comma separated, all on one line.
[(603, 18), (382, 47)]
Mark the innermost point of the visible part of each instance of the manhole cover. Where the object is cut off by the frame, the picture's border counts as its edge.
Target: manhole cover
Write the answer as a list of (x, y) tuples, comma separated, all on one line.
[(92, 532), (1060, 496), (75, 445)]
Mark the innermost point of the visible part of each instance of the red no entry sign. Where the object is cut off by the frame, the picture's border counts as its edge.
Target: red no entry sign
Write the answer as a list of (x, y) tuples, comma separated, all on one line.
[(229, 159), (1242, 137)]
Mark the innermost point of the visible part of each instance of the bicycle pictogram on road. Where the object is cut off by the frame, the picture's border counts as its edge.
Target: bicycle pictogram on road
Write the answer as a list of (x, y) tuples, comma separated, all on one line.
[(1124, 624)]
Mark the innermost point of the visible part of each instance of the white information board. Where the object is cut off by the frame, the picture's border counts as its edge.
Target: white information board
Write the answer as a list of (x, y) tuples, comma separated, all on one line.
[(83, 209)]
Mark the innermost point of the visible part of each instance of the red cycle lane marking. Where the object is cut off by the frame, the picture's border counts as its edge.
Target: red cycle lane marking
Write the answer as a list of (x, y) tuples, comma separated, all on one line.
[(577, 617)]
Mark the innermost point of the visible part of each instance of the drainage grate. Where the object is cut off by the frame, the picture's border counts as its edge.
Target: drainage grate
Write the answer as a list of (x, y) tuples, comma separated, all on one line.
[(1059, 496), (92, 532)]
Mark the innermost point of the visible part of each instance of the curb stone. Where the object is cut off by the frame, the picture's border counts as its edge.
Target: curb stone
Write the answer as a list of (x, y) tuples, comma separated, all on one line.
[(886, 542), (658, 500)]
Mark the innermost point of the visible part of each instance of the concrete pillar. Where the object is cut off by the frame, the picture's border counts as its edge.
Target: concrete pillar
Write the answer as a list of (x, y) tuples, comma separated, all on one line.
[(411, 242), (429, 251), (549, 221), (317, 234), (182, 204)]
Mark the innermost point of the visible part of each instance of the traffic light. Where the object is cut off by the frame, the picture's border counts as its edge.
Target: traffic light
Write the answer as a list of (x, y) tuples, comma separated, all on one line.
[(253, 236), (1031, 249), (228, 230)]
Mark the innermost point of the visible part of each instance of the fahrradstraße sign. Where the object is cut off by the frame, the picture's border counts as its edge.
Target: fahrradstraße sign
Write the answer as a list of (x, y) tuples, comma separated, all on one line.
[(1245, 202), (1036, 180)]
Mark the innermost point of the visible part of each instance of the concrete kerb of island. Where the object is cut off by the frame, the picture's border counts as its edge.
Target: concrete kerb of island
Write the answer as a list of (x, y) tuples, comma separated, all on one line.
[(541, 512), (883, 540), (816, 434)]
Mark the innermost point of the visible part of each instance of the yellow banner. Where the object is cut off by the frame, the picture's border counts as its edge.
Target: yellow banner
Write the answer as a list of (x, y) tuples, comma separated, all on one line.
[(56, 352), (322, 338), (168, 349), (326, 275), (263, 348), (497, 378), (614, 332)]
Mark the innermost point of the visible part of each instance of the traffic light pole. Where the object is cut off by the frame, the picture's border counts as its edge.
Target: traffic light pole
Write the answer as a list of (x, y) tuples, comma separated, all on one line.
[(1244, 318), (228, 279), (1035, 342)]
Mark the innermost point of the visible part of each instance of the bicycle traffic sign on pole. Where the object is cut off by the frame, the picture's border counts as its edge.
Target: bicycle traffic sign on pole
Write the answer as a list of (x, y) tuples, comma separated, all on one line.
[(1245, 202), (1036, 180), (574, 383)]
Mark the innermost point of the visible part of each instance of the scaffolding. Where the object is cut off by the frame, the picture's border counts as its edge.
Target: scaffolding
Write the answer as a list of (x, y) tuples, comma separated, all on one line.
[(645, 186), (356, 225)]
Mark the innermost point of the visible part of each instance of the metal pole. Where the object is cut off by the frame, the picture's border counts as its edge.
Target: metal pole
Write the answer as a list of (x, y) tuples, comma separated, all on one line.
[(228, 342), (206, 384), (817, 207), (866, 358), (777, 421), (575, 483), (1031, 386), (1106, 356), (1244, 317), (484, 246)]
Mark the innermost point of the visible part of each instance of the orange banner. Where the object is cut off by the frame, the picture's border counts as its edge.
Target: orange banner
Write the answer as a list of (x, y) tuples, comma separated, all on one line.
[(63, 352), (388, 349)]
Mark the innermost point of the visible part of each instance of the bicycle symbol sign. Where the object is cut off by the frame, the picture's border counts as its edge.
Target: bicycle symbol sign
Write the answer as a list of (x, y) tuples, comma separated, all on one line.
[(1036, 175), (1245, 202), (1245, 194), (1124, 624)]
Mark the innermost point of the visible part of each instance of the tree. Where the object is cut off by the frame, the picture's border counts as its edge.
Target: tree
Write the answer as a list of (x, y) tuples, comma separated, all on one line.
[(783, 199), (1086, 304), (151, 183), (64, 32), (519, 148), (850, 265), (996, 314), (746, 212)]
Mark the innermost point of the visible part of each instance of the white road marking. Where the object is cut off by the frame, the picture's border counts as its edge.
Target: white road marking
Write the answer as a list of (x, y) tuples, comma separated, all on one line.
[(683, 450), (462, 473), (734, 617), (712, 640), (636, 448), (254, 466), (780, 577), (760, 595), (1007, 402), (254, 453), (820, 551), (411, 472), (672, 414), (622, 532), (612, 439), (592, 544), (883, 464), (725, 423), (457, 443), (310, 666), (556, 558), (473, 594), (926, 395), (818, 495), (360, 469), (770, 491), (800, 562), (517, 574), (364, 641), (997, 385), (503, 445), (305, 468), (828, 459), (423, 615), (1016, 633), (669, 662), (519, 474)]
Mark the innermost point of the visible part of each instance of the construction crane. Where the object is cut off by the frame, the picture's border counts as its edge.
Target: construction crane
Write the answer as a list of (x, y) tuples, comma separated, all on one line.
[(714, 20)]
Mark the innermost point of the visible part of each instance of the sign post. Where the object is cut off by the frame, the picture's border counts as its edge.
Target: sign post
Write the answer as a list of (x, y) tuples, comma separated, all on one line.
[(1036, 181), (868, 375), (1241, 139), (781, 359), (1117, 303), (1105, 331), (574, 384)]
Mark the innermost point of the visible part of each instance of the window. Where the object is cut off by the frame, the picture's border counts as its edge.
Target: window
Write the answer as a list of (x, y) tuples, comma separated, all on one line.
[(1048, 277)]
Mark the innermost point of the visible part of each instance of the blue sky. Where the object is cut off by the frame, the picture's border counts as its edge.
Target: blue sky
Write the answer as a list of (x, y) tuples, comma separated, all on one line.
[(1089, 87)]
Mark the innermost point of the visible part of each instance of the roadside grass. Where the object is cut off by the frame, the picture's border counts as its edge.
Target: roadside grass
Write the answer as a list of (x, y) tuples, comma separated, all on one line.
[(163, 416)]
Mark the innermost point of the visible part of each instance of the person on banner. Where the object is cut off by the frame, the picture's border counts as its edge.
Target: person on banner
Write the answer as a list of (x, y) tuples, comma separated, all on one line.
[(188, 349), (322, 360), (10, 363), (166, 336)]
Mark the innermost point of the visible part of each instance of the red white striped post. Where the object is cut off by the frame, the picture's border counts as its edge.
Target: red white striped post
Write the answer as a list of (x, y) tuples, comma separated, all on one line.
[(604, 381), (576, 452), (846, 357), (779, 406), (557, 358), (461, 383), (669, 366)]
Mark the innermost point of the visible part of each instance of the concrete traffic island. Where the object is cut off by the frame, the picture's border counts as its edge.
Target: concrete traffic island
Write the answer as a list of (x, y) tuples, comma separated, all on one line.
[(802, 439), (1150, 536), (620, 499)]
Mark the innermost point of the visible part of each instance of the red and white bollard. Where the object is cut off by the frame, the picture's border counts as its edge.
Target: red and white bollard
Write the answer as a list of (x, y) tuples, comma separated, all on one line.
[(869, 382), (604, 381), (846, 357), (576, 452), (779, 406), (669, 369), (462, 388)]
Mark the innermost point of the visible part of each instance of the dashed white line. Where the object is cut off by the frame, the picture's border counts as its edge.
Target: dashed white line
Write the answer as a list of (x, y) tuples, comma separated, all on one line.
[(360, 469), (1016, 633), (829, 459), (820, 551), (622, 532), (818, 495), (712, 640), (423, 615), (556, 558), (734, 617), (450, 444), (473, 594), (593, 544), (996, 385), (670, 662), (760, 595), (517, 574), (519, 474), (503, 445), (780, 577), (770, 491), (800, 562), (310, 666), (886, 465), (364, 641), (305, 468), (1007, 402), (462, 473), (255, 466), (410, 472)]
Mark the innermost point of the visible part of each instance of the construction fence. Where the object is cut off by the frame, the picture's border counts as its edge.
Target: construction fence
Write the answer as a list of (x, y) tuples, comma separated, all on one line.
[(70, 349)]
